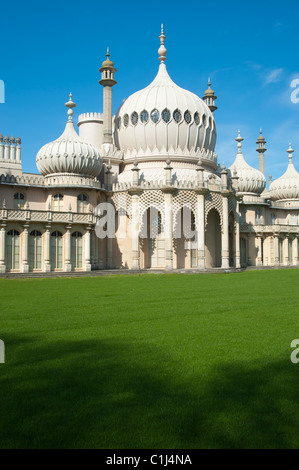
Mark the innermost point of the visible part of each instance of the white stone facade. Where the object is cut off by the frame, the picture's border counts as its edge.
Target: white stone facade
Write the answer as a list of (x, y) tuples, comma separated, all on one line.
[(153, 163)]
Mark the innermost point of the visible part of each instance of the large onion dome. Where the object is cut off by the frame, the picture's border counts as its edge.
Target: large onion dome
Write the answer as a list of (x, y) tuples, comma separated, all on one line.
[(164, 120), (287, 186), (69, 153), (250, 180)]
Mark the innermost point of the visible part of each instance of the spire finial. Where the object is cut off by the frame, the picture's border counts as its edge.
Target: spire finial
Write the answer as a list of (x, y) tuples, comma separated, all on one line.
[(290, 151), (70, 104), (162, 49), (108, 54), (239, 139)]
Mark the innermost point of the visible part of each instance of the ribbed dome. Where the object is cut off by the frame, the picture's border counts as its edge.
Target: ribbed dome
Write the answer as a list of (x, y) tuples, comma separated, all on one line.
[(165, 120), (251, 180), (287, 186), (69, 153)]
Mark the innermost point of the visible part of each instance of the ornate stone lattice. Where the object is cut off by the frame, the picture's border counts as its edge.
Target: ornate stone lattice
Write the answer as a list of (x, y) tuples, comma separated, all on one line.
[(181, 199), (123, 203), (213, 201), (151, 199)]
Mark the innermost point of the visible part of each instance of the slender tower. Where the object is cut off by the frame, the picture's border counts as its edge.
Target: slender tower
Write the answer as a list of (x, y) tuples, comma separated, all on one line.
[(210, 98), (261, 149), (107, 70)]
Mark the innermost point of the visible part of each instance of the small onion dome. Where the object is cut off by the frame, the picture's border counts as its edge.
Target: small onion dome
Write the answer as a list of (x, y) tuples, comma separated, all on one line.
[(69, 153), (287, 186), (108, 62), (209, 91), (250, 180)]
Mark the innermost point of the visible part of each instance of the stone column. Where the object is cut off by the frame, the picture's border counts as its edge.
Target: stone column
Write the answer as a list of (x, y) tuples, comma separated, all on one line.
[(225, 233), (87, 250), (295, 251), (286, 251), (276, 250), (67, 261), (135, 232), (109, 245), (168, 230), (47, 254), (237, 238), (259, 261), (2, 250), (25, 265), (200, 229)]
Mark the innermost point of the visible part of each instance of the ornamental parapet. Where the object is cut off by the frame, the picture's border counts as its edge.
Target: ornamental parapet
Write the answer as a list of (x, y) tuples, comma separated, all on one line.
[(26, 215), (274, 229)]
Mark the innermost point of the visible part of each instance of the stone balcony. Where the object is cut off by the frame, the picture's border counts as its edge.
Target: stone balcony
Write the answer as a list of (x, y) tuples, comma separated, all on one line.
[(26, 216), (272, 229)]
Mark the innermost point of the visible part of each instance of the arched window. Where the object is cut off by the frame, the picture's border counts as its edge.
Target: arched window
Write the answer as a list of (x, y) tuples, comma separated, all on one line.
[(82, 203), (258, 215), (56, 250), (19, 201), (13, 250), (76, 250), (57, 202), (35, 250)]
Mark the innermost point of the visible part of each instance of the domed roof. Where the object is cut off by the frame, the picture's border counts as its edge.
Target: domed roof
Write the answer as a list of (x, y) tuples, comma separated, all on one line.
[(287, 186), (69, 153), (250, 180), (164, 120)]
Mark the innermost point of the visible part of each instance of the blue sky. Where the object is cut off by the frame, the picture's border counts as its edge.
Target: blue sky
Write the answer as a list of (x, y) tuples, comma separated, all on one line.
[(248, 49)]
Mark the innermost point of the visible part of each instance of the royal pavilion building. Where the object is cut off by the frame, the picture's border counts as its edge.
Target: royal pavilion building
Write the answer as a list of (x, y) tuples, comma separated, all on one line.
[(143, 189)]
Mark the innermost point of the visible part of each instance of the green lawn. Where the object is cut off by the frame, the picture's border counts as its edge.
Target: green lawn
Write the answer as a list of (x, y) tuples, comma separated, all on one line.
[(150, 361)]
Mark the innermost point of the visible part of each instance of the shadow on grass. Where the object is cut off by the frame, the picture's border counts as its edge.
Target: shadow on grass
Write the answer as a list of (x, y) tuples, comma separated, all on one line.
[(114, 395)]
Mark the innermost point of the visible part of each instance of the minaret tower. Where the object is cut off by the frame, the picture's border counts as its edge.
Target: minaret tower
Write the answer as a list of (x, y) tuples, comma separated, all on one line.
[(261, 149), (107, 70), (210, 97)]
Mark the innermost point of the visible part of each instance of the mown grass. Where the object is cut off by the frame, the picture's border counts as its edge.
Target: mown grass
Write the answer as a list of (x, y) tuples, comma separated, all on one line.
[(150, 361)]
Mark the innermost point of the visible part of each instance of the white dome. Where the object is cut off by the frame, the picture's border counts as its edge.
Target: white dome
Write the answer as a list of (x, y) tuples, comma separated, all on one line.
[(164, 120), (69, 153), (287, 186), (250, 180)]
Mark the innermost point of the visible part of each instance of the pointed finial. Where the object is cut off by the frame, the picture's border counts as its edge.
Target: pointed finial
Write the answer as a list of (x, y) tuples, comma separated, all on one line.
[(162, 49), (239, 139), (70, 104), (290, 151), (209, 82)]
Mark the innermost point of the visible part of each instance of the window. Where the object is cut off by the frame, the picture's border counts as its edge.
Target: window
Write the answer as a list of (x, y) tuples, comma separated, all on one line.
[(187, 117), (273, 218), (134, 118), (293, 219), (155, 116), (258, 216), (82, 203), (57, 202), (19, 201), (35, 250), (56, 250), (203, 119), (126, 120), (196, 118), (144, 116), (13, 250), (76, 247), (166, 115), (177, 115), (243, 216)]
